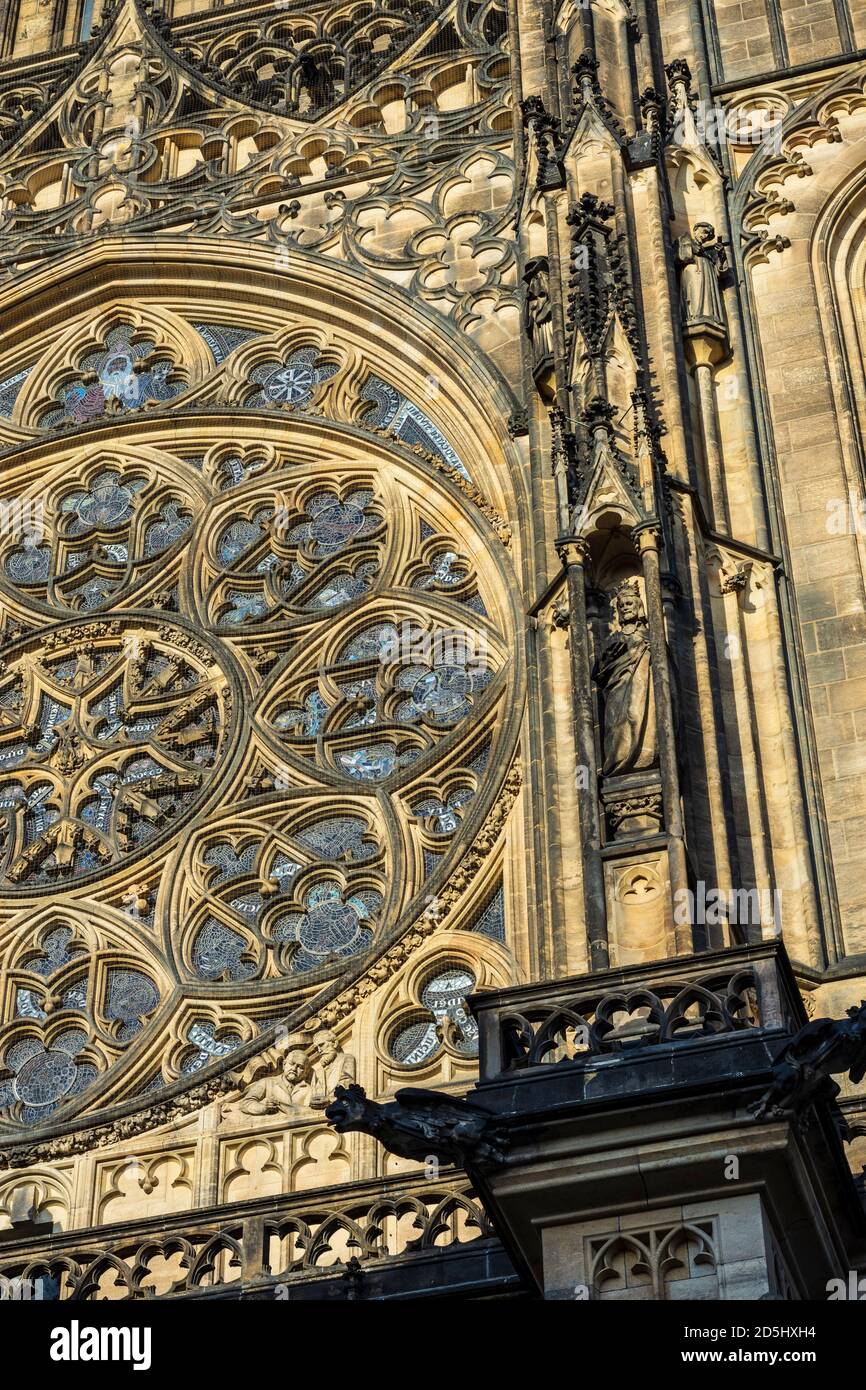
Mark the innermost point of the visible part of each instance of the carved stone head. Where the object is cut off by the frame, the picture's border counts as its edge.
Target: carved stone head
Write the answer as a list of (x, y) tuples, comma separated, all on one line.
[(295, 1066), (629, 605), (536, 273), (325, 1045)]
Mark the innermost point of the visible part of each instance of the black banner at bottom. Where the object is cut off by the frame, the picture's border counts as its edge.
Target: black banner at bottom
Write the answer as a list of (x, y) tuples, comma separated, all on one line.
[(174, 1335)]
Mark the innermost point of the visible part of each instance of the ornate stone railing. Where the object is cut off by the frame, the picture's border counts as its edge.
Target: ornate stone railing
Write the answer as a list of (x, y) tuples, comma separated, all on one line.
[(264, 1247), (668, 1002)]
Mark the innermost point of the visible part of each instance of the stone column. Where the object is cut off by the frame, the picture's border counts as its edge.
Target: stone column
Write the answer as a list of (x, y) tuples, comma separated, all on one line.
[(573, 553), (647, 537), (703, 351)]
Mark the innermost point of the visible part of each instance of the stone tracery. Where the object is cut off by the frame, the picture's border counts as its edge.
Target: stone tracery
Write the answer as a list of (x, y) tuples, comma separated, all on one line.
[(110, 736), (159, 125), (277, 661), (127, 373), (75, 998), (94, 541)]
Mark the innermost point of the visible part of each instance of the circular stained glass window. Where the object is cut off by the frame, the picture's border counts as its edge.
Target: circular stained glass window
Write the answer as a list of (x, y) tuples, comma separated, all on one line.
[(415, 1042), (330, 926), (420, 1036), (131, 995), (290, 384), (105, 505), (336, 525), (30, 565), (45, 1078), (443, 692)]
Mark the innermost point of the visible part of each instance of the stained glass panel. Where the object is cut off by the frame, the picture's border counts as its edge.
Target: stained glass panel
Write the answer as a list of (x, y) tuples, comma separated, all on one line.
[(128, 370)]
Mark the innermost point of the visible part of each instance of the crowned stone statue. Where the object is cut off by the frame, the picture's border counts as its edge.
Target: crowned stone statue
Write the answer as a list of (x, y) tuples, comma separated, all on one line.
[(624, 676)]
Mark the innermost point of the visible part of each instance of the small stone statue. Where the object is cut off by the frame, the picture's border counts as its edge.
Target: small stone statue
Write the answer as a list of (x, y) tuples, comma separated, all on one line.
[(332, 1067), (624, 676), (302, 1078), (421, 1124), (538, 315), (701, 259), (282, 1092), (803, 1071)]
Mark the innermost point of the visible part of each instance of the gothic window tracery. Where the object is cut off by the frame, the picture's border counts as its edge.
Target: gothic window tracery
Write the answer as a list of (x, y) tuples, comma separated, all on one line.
[(489, 920), (222, 339), (387, 698), (206, 1043), (316, 550), (235, 693), (330, 925), (108, 739), (75, 1000), (302, 65), (395, 412), (305, 893), (43, 1077), (10, 389), (442, 1020), (259, 683), (136, 366), (127, 373), (292, 382), (161, 119), (92, 542), (442, 817)]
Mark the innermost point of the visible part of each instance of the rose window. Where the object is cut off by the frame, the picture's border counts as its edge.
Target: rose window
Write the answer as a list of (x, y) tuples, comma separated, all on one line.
[(91, 545), (108, 741), (280, 558), (444, 817), (80, 999), (257, 702), (43, 1077), (331, 926)]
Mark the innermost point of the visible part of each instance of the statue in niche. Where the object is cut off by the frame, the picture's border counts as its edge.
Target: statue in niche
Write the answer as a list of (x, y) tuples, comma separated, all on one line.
[(537, 311), (624, 675), (701, 258), (331, 1067)]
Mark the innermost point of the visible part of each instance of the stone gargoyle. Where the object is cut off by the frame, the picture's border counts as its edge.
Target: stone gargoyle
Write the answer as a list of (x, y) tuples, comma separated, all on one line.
[(420, 1125), (803, 1070)]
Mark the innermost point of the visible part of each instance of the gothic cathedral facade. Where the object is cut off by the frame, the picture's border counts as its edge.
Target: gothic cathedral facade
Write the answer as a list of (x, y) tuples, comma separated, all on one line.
[(432, 555)]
